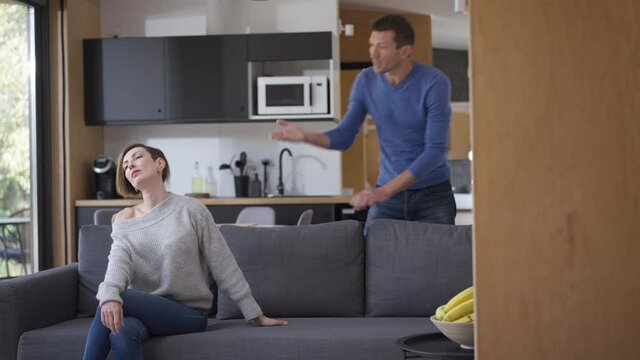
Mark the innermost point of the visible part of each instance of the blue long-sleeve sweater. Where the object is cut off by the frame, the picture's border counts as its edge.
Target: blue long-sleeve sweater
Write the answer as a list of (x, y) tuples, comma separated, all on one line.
[(412, 121)]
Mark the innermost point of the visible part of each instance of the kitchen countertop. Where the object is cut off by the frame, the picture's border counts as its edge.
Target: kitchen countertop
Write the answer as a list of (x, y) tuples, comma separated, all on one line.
[(464, 202)]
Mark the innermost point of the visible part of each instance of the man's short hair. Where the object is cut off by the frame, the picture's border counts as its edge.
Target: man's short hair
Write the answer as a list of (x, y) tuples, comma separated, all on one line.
[(403, 31)]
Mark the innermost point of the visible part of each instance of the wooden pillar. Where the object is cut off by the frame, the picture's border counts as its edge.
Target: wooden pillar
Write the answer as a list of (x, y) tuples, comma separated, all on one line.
[(555, 99), (74, 145)]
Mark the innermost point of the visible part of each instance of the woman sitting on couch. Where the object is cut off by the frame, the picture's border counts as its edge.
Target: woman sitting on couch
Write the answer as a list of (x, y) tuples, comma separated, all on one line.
[(157, 280)]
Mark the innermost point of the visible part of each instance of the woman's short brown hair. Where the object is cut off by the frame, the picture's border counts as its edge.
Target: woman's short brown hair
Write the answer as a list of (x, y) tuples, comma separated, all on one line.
[(123, 186)]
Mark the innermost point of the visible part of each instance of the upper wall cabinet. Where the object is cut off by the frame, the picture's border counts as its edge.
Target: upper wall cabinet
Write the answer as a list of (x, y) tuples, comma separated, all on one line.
[(165, 80), (290, 46), (206, 78), (191, 79), (455, 64), (274, 59), (124, 80)]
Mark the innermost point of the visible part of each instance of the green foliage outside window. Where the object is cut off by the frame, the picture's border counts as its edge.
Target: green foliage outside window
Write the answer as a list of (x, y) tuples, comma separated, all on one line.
[(15, 89)]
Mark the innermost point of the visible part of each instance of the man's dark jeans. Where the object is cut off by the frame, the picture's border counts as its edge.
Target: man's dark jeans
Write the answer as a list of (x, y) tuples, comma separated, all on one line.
[(434, 204)]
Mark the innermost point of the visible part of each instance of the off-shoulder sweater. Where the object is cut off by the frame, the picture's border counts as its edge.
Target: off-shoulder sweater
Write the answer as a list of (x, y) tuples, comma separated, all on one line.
[(169, 251)]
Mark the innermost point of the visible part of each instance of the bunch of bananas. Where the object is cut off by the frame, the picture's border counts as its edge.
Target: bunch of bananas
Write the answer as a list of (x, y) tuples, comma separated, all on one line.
[(459, 309)]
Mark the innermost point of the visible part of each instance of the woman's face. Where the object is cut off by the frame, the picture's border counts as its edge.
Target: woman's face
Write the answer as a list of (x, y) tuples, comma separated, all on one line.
[(139, 166)]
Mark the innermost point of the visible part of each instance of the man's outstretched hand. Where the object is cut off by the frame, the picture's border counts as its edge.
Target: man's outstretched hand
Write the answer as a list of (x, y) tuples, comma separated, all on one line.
[(290, 132)]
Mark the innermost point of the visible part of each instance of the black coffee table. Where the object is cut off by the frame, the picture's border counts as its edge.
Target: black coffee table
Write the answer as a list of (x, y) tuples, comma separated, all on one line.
[(432, 346)]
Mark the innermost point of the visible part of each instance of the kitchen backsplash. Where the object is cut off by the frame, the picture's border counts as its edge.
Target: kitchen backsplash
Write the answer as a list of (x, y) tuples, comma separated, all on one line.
[(312, 171)]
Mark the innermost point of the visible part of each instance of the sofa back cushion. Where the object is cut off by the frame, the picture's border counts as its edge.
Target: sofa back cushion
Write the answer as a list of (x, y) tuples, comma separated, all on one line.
[(300, 271), (412, 267), (94, 244)]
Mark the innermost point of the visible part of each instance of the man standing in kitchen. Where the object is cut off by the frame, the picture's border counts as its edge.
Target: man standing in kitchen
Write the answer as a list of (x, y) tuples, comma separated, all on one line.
[(410, 103)]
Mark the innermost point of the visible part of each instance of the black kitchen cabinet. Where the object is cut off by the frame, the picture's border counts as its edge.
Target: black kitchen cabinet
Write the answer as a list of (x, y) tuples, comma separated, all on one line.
[(185, 79), (206, 78), (290, 46), (124, 80), (165, 80)]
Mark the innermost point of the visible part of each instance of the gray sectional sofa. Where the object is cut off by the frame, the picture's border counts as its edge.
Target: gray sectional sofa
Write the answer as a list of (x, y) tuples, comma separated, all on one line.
[(345, 296)]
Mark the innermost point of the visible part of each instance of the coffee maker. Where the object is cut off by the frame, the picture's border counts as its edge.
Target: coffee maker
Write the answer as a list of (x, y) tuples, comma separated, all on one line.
[(104, 174)]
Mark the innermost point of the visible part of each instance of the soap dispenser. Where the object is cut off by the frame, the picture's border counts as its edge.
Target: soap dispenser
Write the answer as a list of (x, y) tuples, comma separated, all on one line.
[(255, 187)]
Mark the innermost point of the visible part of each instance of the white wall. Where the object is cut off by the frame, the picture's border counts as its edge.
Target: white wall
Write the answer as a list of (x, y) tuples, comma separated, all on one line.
[(233, 16), (313, 171), (144, 17)]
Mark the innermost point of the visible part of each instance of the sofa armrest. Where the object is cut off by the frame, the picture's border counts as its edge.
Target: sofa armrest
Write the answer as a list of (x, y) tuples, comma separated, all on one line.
[(35, 301)]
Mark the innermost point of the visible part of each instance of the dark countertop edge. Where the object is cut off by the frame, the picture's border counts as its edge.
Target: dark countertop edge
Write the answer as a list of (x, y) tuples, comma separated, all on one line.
[(229, 201)]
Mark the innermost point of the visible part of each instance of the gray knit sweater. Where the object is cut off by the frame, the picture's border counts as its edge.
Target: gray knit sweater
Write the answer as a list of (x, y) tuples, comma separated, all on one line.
[(169, 251)]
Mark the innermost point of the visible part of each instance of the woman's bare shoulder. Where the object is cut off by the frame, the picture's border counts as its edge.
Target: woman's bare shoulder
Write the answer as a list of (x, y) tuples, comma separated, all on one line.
[(125, 214)]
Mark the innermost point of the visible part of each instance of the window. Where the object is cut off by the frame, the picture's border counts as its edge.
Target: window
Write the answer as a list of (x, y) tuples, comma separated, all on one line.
[(21, 128)]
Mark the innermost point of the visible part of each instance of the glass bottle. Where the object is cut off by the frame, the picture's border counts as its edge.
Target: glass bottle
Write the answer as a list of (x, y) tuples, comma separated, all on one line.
[(196, 179), (210, 183)]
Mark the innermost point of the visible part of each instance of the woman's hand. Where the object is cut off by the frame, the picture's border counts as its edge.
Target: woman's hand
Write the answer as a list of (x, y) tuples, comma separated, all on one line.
[(111, 316), (265, 321)]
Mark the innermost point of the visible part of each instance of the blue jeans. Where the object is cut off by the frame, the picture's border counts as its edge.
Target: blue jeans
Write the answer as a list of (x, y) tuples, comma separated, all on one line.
[(145, 315), (434, 204)]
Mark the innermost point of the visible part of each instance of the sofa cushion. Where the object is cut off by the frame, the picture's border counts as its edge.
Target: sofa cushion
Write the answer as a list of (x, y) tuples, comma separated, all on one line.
[(315, 270), (351, 338), (94, 244), (412, 267), (62, 341), (304, 338)]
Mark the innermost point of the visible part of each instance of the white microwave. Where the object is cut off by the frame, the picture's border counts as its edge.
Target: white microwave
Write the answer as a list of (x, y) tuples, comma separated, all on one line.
[(283, 95)]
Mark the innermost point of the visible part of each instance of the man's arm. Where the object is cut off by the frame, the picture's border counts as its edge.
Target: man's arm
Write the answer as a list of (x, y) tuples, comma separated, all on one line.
[(318, 139), (370, 197), (436, 132), (340, 138), (293, 132)]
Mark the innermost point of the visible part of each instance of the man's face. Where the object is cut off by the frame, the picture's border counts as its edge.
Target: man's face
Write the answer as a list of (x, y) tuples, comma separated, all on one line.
[(384, 53)]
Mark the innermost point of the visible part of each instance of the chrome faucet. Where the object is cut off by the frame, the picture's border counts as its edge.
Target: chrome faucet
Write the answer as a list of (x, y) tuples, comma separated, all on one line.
[(280, 183)]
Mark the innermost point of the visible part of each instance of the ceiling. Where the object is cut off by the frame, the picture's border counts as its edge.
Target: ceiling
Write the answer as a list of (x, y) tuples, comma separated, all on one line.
[(449, 30)]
